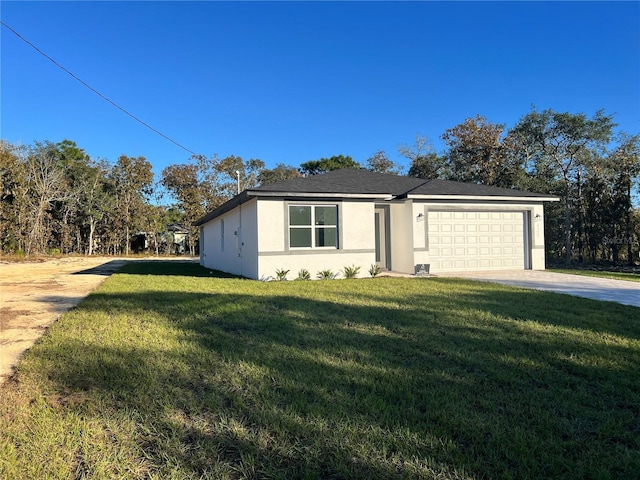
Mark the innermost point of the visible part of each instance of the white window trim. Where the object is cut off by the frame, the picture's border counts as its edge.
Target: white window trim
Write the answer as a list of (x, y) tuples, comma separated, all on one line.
[(313, 227)]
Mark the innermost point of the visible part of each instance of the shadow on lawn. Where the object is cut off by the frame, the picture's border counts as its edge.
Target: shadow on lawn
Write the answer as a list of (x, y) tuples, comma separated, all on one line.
[(107, 269), (187, 268), (182, 268), (289, 386)]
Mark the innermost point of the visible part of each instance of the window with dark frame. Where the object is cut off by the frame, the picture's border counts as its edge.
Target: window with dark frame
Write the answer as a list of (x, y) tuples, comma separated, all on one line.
[(313, 226)]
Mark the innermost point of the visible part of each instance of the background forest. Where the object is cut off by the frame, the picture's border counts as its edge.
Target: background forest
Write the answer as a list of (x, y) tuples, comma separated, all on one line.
[(57, 199)]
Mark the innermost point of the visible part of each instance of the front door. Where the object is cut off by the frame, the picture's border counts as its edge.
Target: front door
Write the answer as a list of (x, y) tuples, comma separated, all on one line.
[(381, 237)]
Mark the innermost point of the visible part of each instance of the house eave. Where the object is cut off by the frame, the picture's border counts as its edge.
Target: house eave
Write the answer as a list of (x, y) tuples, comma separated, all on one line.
[(485, 198), (222, 209), (374, 196), (249, 194)]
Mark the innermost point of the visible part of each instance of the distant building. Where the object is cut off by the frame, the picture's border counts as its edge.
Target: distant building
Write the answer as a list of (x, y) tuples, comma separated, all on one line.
[(173, 241)]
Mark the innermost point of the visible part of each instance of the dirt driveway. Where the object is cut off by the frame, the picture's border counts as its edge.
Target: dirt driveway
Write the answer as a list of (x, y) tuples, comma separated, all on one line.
[(35, 294)]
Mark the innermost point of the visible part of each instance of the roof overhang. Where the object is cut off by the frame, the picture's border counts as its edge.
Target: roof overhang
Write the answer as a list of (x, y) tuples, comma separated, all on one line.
[(250, 194), (373, 196), (485, 198), (247, 195)]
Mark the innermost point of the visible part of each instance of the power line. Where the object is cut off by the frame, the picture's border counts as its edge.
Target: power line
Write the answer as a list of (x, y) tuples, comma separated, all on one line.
[(96, 91)]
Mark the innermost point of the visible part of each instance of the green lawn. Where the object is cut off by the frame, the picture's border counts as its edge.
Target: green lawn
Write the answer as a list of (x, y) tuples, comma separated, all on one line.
[(632, 277), (167, 371)]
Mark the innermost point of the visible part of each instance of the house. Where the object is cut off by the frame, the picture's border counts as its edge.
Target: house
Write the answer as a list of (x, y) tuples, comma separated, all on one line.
[(356, 217), (173, 240)]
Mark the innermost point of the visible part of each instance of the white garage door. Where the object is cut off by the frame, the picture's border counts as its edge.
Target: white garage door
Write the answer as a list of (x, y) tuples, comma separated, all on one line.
[(464, 241)]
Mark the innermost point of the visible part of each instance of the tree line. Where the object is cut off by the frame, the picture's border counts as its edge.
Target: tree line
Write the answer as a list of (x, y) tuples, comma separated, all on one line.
[(56, 198)]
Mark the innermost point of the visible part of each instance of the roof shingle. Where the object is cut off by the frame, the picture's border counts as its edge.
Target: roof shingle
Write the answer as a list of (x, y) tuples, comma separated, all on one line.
[(353, 182)]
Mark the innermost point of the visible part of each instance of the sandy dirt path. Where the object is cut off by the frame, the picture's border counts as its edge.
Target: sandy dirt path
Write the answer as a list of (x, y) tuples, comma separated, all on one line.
[(34, 294)]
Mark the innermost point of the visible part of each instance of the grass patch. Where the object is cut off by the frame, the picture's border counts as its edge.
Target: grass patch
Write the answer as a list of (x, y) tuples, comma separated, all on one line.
[(175, 373), (632, 277)]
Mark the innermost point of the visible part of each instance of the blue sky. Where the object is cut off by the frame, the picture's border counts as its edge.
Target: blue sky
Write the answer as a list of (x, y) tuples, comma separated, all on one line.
[(288, 82)]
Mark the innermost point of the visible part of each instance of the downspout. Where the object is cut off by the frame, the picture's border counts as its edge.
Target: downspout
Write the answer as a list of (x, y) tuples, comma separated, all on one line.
[(240, 224), (201, 241), (240, 244)]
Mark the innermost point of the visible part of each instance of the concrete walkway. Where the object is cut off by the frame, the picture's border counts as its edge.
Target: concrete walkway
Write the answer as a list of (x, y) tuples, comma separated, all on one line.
[(620, 291)]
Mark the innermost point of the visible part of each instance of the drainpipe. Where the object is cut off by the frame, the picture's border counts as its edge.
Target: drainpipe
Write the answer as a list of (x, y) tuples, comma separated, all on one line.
[(240, 244)]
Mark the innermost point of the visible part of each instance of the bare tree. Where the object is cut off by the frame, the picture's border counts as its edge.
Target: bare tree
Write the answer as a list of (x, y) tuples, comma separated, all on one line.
[(425, 162), (380, 162), (46, 179)]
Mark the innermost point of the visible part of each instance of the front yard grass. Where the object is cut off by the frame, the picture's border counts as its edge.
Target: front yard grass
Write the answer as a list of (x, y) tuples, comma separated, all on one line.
[(632, 277), (167, 371)]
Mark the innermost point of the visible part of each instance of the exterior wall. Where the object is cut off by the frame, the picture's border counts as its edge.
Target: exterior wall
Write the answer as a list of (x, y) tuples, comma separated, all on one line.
[(314, 263), (402, 223), (249, 238), (355, 240), (537, 238), (420, 233), (357, 227), (271, 216), (234, 250)]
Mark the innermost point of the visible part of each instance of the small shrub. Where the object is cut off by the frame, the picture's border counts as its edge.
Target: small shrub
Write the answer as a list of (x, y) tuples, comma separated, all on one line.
[(351, 272), (304, 274), (54, 251), (374, 270), (281, 274), (326, 275)]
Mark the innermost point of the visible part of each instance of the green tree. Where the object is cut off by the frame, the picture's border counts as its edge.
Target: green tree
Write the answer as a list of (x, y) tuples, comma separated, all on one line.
[(237, 174), (194, 196), (599, 201), (206, 183), (314, 167), (559, 144), (131, 182), (277, 174), (13, 197), (84, 179), (94, 203), (625, 161)]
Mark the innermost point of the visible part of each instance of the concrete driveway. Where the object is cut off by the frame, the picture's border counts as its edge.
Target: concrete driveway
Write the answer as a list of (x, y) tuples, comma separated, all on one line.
[(621, 291)]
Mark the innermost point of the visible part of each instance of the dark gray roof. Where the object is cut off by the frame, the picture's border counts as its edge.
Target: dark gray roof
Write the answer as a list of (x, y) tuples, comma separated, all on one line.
[(347, 181), (353, 182), (448, 187)]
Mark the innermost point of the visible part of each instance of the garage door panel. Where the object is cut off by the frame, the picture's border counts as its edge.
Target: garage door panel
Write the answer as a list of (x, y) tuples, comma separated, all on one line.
[(463, 241)]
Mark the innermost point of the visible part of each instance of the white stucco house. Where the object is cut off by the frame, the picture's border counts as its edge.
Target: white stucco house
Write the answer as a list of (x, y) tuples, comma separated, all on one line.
[(356, 217)]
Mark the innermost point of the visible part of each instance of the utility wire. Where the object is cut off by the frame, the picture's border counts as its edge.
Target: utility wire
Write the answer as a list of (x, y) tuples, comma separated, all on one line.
[(96, 91)]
